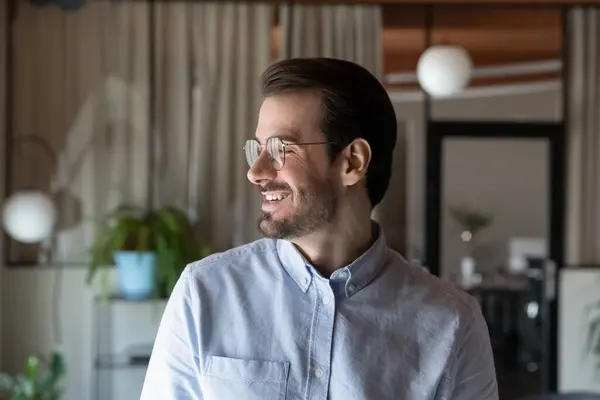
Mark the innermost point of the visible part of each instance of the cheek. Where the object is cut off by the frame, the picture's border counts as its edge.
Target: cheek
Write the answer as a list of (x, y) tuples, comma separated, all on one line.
[(305, 168), (305, 175), (318, 187), (296, 173)]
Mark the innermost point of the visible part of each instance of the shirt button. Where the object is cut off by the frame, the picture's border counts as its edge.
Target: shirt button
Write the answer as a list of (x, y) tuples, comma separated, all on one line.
[(351, 288), (343, 274), (305, 281), (319, 372), (326, 300)]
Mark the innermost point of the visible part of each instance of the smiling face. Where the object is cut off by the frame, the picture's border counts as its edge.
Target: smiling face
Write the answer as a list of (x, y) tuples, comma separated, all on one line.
[(302, 196)]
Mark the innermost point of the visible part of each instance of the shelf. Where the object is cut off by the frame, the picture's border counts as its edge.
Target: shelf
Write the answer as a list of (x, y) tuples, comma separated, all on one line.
[(115, 297), (116, 361)]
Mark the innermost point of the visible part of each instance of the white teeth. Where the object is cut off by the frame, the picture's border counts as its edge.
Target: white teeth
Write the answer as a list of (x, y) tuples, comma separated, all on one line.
[(274, 197)]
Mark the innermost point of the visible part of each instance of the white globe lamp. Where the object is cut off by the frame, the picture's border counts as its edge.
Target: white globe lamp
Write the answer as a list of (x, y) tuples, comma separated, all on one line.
[(444, 70), (29, 216)]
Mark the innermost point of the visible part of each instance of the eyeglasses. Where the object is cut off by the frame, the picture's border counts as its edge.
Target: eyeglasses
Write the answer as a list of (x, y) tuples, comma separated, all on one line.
[(276, 150)]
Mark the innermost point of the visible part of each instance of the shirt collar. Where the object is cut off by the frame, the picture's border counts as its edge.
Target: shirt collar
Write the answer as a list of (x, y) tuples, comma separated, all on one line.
[(349, 279)]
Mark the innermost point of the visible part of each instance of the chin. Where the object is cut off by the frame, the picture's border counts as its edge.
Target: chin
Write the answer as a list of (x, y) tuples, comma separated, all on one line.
[(288, 222), (278, 228)]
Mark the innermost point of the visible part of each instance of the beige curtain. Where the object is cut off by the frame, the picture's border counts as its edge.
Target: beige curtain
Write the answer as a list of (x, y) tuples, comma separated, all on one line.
[(89, 100), (3, 88), (209, 60), (350, 32), (104, 157), (583, 191), (3, 134)]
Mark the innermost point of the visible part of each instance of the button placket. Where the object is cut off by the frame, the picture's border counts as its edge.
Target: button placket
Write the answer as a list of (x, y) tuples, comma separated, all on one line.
[(320, 358)]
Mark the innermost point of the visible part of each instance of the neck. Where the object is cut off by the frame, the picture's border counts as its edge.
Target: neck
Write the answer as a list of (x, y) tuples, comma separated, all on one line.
[(339, 243)]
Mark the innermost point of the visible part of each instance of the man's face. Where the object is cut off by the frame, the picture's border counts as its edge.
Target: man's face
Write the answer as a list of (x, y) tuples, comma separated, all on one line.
[(302, 196)]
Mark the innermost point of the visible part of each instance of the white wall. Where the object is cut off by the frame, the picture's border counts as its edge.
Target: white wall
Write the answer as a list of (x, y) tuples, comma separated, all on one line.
[(579, 305), (522, 103), (507, 178), (28, 302), (27, 299)]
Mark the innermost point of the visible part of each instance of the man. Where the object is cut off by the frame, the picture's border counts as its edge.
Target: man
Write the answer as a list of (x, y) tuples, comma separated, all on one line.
[(321, 308)]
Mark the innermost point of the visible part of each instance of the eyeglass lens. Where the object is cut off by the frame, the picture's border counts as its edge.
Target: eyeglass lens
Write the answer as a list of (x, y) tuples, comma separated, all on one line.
[(275, 150)]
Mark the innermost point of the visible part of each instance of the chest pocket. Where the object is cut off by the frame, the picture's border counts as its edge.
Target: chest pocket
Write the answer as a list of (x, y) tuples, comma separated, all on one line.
[(236, 379)]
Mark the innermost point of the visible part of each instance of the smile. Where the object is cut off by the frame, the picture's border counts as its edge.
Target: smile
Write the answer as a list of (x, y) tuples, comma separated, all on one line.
[(274, 197)]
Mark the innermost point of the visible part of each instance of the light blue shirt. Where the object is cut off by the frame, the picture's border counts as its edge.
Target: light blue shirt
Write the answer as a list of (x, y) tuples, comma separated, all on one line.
[(258, 322)]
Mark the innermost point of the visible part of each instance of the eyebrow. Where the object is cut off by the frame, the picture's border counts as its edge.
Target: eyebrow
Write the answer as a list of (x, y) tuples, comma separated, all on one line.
[(286, 136)]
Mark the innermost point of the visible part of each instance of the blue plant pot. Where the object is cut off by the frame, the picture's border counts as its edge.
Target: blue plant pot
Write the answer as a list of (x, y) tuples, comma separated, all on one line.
[(136, 272)]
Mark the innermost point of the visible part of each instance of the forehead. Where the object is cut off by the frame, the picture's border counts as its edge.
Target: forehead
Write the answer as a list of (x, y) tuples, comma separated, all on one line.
[(294, 116)]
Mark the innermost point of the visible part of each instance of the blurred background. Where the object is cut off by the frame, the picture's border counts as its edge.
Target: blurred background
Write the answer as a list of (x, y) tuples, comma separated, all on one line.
[(119, 118)]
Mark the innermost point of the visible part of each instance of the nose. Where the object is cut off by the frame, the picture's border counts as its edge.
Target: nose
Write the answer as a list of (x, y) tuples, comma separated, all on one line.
[(261, 170)]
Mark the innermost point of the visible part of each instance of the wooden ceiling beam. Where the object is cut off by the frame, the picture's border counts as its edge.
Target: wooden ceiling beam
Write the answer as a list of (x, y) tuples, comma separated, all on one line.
[(497, 41), (514, 41), (492, 35), (407, 16), (396, 16)]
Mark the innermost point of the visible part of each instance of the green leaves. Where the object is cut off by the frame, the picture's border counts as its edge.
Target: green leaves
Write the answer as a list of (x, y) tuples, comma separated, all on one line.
[(42, 379), (471, 221), (166, 231), (7, 383)]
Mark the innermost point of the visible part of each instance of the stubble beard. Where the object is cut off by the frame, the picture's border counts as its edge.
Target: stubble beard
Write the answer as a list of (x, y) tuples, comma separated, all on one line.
[(315, 208)]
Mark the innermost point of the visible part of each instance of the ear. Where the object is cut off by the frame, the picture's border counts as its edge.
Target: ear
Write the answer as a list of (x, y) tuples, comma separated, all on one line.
[(357, 157)]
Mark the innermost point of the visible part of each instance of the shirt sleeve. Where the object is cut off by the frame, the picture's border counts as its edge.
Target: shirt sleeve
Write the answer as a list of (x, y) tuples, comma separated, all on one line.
[(474, 376), (174, 370)]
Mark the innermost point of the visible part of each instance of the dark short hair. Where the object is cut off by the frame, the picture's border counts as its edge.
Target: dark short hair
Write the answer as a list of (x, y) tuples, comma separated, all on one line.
[(356, 105)]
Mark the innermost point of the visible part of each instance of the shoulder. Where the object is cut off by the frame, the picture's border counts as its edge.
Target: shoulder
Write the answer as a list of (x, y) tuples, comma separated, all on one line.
[(235, 254), (436, 297), (241, 261)]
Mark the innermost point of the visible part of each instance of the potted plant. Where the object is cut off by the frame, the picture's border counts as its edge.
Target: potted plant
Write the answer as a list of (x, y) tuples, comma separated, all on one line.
[(150, 249), (43, 379), (471, 223)]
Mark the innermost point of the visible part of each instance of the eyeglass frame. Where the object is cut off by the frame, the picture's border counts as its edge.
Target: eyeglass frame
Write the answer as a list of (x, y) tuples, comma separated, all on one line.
[(262, 147)]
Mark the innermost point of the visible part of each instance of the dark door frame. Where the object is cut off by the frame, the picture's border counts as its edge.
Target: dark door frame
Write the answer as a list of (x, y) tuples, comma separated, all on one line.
[(555, 134)]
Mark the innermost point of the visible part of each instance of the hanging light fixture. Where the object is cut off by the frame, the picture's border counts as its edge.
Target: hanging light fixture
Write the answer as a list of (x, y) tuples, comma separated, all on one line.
[(29, 216), (444, 70)]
